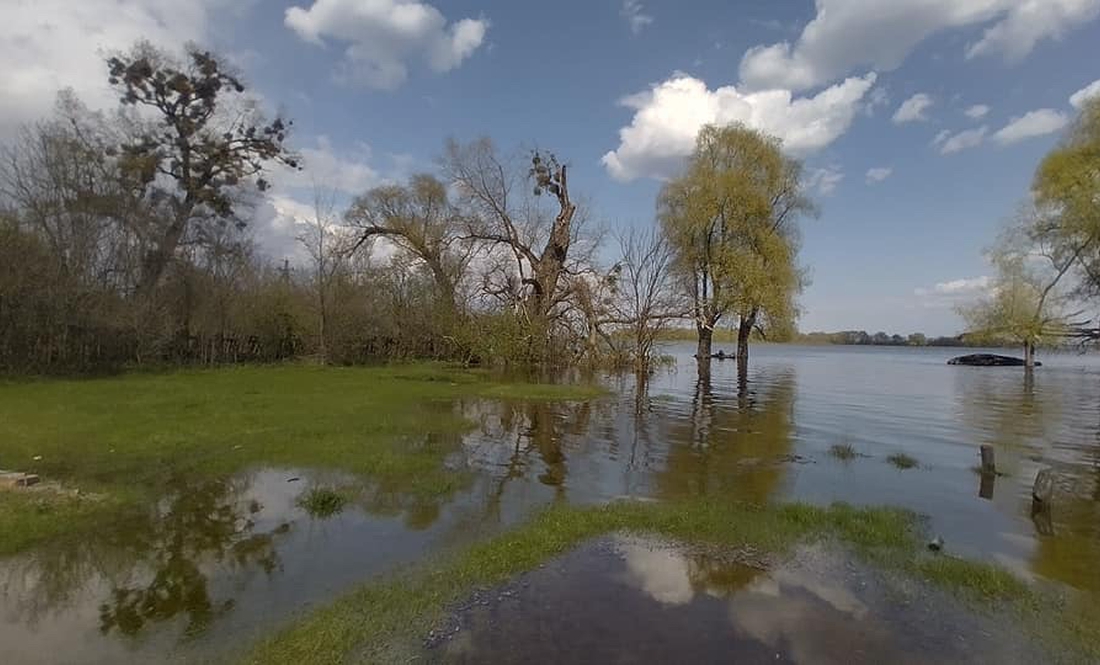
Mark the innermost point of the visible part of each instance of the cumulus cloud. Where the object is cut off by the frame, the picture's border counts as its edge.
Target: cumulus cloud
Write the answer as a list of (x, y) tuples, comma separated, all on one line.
[(912, 109), (954, 292), (1078, 99), (634, 14), (1029, 22), (847, 35), (669, 115), (878, 174), (964, 140), (348, 172), (977, 112), (1030, 125), (48, 45), (824, 180), (383, 36)]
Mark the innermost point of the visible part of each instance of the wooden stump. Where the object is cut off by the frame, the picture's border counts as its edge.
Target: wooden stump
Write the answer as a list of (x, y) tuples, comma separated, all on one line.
[(989, 465), (1043, 490)]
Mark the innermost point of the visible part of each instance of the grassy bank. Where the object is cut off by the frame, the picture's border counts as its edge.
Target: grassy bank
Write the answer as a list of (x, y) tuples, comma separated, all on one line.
[(117, 440), (364, 624)]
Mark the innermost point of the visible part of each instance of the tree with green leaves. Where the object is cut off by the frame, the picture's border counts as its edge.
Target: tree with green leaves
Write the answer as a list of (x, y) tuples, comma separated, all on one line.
[(731, 221), (196, 143), (1025, 305)]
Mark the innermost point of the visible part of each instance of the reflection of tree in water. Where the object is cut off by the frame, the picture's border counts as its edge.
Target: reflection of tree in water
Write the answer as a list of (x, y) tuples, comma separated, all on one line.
[(422, 500), (167, 548), (199, 524), (1008, 411), (731, 446), (536, 434)]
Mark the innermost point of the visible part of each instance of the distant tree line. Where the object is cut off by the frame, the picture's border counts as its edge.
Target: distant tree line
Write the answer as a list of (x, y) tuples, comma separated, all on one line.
[(863, 338)]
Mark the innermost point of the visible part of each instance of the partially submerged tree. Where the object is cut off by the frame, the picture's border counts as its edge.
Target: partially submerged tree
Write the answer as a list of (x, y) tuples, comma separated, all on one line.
[(730, 219), (648, 300), (197, 141), (1025, 305)]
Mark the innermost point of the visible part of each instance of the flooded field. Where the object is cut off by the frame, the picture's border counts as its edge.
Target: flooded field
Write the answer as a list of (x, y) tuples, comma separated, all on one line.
[(219, 561)]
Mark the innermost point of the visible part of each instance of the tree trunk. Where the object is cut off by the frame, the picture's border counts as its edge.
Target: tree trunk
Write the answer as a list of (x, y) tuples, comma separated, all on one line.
[(1029, 354), (702, 354), (744, 329)]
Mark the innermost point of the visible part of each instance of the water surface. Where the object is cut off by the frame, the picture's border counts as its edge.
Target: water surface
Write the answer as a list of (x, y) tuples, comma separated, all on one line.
[(219, 561)]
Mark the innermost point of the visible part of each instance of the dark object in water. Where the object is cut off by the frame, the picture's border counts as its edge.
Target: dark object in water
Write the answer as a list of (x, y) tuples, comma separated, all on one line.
[(989, 360)]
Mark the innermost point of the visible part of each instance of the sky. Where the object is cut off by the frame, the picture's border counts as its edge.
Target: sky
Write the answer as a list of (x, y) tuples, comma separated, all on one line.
[(920, 122)]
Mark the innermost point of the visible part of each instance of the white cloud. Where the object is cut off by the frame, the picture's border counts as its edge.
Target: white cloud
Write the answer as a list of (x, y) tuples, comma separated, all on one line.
[(1029, 22), (635, 15), (964, 140), (47, 45), (912, 109), (1078, 99), (824, 180), (669, 115), (1030, 125), (384, 35), (945, 295), (348, 173), (847, 35), (878, 174), (941, 136), (977, 112)]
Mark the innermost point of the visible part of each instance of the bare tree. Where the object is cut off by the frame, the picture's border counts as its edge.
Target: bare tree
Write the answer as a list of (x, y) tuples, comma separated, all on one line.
[(648, 298), (505, 218), (327, 248)]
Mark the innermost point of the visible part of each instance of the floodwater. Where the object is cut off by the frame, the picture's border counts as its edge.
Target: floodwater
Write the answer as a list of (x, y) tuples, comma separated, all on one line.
[(219, 562), (693, 606)]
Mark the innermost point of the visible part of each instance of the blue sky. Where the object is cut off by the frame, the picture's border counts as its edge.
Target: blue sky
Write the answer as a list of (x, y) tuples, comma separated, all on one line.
[(618, 88)]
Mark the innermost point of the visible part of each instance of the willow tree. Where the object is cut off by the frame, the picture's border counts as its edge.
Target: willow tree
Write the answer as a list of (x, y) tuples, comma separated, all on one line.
[(731, 221), (1066, 191), (1025, 305), (420, 220)]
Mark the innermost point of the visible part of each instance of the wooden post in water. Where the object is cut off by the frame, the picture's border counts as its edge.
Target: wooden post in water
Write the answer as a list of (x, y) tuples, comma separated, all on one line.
[(1043, 490), (988, 473), (989, 465)]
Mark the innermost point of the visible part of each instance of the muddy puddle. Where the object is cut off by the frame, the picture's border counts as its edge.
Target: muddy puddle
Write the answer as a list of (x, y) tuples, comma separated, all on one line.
[(625, 599)]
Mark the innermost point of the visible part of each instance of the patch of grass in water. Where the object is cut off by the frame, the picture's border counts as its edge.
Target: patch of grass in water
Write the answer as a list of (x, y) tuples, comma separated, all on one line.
[(322, 502), (971, 577), (903, 461), (843, 451)]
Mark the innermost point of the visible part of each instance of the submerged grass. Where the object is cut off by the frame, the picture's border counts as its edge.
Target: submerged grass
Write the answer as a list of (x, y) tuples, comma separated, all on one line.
[(322, 502), (123, 436), (843, 451), (364, 624), (903, 461)]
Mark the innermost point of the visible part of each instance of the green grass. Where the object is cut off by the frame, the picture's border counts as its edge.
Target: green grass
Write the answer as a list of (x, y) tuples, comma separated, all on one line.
[(322, 502), (903, 461), (123, 437), (380, 618), (843, 451)]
